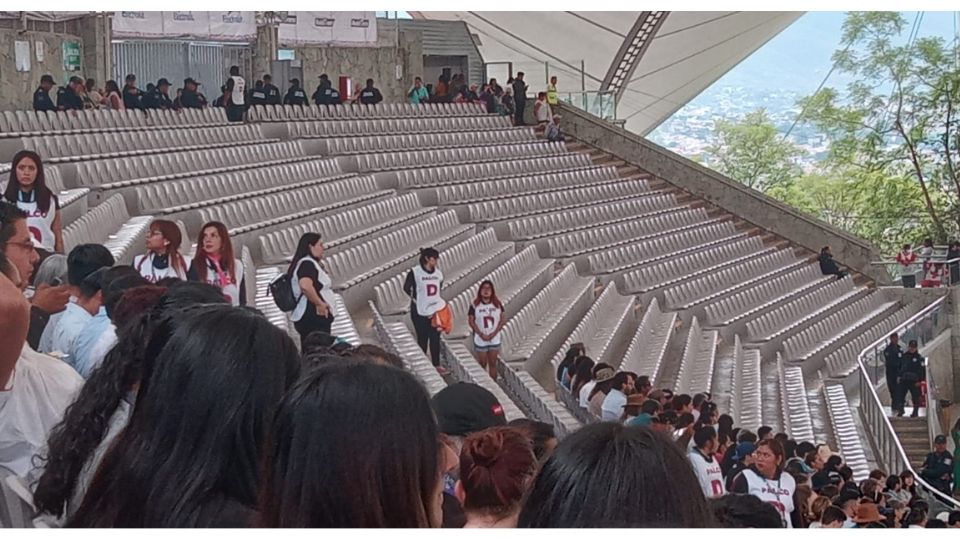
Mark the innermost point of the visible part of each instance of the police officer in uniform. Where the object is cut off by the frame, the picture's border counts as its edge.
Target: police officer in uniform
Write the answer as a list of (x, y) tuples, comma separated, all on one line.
[(320, 96), (912, 372), (41, 98), (191, 98), (295, 95), (159, 97), (68, 97), (272, 92), (131, 94), (370, 95), (938, 467), (258, 96), (892, 362)]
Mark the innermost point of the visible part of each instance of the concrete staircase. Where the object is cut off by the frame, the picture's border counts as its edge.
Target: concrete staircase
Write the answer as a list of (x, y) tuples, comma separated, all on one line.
[(914, 436)]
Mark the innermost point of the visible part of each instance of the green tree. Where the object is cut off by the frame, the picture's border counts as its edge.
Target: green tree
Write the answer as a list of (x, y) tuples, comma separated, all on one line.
[(753, 153)]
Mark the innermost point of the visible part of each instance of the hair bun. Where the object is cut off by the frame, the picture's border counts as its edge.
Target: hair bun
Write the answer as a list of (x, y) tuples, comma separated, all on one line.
[(486, 447)]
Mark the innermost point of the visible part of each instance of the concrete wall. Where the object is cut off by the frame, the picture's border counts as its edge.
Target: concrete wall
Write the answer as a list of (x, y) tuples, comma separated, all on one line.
[(361, 63), (16, 88), (749, 204)]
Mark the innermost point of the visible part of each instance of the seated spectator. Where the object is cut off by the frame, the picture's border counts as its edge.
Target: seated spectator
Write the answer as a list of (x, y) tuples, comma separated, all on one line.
[(632, 408), (223, 99), (542, 111), (582, 382), (342, 456), (51, 273), (604, 378), (817, 508), (648, 411), (186, 459), (833, 518), (541, 435), (507, 103), (35, 389), (828, 266), (611, 408), (369, 95), (916, 519), (112, 100), (163, 258), (737, 511), (375, 354), (575, 488), (82, 261), (497, 466), (214, 263), (418, 93), (190, 97), (92, 94), (565, 368)]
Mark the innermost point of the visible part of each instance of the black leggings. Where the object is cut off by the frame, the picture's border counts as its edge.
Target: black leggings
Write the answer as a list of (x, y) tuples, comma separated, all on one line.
[(426, 335), (309, 324)]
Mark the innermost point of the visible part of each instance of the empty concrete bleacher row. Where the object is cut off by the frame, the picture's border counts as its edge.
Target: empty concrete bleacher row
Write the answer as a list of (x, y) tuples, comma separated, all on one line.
[(849, 441), (812, 341), (698, 360), (421, 141), (427, 176), (540, 184), (517, 281), (396, 338), (510, 207), (791, 316), (83, 147), (40, 123), (647, 348), (542, 405), (608, 323), (417, 159), (324, 129), (536, 330), (843, 361), (109, 223), (73, 201), (465, 368), (747, 392), (462, 265), (287, 113), (795, 408)]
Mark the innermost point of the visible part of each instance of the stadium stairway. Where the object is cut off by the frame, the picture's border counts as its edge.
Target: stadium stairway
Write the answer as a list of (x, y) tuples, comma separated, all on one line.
[(582, 245)]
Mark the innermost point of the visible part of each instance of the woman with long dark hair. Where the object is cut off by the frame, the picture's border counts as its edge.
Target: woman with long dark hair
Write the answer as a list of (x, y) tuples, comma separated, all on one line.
[(582, 382), (497, 466), (112, 100), (163, 258), (215, 263), (190, 455), (28, 190), (602, 476), (422, 285), (340, 455), (486, 319), (78, 443), (312, 286), (769, 482), (565, 368)]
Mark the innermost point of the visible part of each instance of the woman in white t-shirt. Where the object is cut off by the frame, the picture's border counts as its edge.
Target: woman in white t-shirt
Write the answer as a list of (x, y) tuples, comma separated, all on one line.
[(486, 319), (769, 482), (215, 264), (312, 286), (163, 258), (28, 190)]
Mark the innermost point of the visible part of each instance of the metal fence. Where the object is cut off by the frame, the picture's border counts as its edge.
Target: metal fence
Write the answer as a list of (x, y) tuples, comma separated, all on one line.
[(208, 63)]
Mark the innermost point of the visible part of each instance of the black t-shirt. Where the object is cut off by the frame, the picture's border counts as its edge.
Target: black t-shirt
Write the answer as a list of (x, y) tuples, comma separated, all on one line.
[(309, 270), (370, 96)]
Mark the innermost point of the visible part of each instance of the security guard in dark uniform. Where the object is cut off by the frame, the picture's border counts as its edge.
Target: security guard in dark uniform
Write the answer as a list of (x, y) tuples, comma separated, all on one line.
[(272, 92), (912, 373), (191, 98), (131, 94), (326, 94), (295, 95), (370, 95), (159, 97), (41, 98), (258, 96), (937, 469), (67, 96)]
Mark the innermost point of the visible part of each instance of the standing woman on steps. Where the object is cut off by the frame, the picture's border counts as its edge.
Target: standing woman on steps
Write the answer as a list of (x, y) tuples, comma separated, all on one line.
[(486, 320), (312, 286), (422, 285), (28, 190), (215, 264)]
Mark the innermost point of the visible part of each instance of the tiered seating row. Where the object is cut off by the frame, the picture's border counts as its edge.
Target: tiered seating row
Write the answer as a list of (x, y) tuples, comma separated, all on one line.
[(648, 347), (635, 254), (795, 407), (535, 399), (322, 129), (698, 360), (843, 361), (557, 223), (396, 338), (461, 264), (39, 123), (745, 403), (492, 190), (799, 312), (465, 368), (467, 173), (109, 224), (764, 297), (122, 172), (385, 161), (817, 336), (606, 324), (73, 202), (286, 113), (422, 141), (845, 430), (672, 271), (523, 205), (516, 282)]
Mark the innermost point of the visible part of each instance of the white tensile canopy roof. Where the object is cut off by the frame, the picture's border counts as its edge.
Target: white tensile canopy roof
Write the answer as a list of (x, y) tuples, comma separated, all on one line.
[(689, 50)]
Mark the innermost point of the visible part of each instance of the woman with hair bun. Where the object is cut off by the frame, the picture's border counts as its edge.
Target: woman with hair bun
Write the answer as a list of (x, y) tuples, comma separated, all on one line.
[(497, 466)]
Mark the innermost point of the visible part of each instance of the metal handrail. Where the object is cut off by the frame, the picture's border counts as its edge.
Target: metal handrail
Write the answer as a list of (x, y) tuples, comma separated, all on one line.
[(893, 267), (878, 404)]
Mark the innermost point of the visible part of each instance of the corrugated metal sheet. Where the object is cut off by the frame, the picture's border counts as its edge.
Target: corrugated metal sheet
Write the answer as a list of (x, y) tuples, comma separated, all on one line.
[(177, 60), (447, 38)]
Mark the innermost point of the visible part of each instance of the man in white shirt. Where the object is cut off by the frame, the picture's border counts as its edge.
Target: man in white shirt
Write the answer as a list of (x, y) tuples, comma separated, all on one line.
[(236, 87), (35, 389), (612, 408), (83, 261)]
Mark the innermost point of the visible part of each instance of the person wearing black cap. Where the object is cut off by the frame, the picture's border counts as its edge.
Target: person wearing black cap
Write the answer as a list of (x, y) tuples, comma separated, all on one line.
[(41, 98), (892, 359), (462, 409), (937, 469), (68, 97), (370, 95), (295, 95), (326, 94), (131, 94), (272, 92), (191, 98), (159, 97), (912, 373), (222, 100)]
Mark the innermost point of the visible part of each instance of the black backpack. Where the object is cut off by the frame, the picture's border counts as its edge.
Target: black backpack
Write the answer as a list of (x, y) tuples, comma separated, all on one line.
[(281, 289)]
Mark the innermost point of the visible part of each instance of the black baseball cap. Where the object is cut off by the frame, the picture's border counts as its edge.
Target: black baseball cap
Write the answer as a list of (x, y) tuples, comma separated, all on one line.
[(324, 76), (76, 80), (294, 80), (465, 408), (46, 79), (189, 80), (913, 343), (131, 77), (267, 77), (162, 82), (940, 439)]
